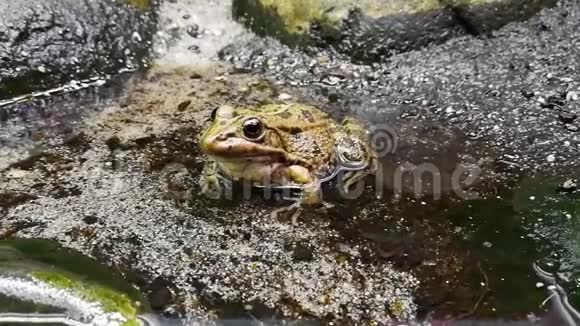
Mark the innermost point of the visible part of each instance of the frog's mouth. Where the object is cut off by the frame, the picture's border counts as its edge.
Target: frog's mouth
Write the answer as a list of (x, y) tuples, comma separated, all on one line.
[(246, 158), (234, 149)]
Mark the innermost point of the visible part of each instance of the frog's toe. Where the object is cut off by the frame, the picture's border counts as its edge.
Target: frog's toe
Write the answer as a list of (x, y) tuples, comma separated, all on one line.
[(211, 187), (351, 178), (297, 210), (295, 216), (327, 205)]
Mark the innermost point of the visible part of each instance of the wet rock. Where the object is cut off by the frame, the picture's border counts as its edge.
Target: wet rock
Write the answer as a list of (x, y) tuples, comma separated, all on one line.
[(487, 119), (71, 284), (367, 31), (213, 254), (48, 43), (373, 31), (483, 17), (568, 186)]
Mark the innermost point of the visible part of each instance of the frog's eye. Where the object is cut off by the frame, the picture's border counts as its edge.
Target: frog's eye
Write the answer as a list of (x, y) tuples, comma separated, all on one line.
[(253, 129), (213, 114)]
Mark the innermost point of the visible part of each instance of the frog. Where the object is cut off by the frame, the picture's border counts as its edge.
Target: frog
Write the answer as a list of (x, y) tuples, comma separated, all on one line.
[(291, 146)]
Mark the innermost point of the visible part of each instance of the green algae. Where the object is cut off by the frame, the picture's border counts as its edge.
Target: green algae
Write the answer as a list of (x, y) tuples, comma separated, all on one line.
[(50, 263), (111, 300), (291, 20), (140, 4)]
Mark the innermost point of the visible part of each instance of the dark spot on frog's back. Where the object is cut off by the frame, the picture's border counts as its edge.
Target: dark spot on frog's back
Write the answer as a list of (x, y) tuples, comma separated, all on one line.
[(291, 130), (308, 116)]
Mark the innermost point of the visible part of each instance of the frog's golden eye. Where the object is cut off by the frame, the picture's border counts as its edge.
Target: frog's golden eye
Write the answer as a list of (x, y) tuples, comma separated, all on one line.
[(253, 129)]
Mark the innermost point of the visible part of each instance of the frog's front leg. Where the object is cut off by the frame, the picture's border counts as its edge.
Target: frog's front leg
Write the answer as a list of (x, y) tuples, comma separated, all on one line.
[(213, 185), (311, 193)]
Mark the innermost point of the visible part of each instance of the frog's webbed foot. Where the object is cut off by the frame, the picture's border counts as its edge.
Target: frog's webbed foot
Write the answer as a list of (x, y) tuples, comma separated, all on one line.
[(351, 178), (355, 158), (311, 195), (213, 184), (353, 175)]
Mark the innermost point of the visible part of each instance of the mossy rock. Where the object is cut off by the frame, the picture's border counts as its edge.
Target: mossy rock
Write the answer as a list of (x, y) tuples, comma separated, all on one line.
[(370, 30), (109, 299), (50, 264)]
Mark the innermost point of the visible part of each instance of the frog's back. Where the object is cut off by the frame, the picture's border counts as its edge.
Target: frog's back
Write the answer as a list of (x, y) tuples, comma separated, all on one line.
[(297, 116), (306, 131)]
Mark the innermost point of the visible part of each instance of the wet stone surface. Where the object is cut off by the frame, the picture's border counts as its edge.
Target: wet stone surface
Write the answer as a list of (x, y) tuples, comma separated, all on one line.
[(44, 44), (374, 30), (128, 196), (471, 100)]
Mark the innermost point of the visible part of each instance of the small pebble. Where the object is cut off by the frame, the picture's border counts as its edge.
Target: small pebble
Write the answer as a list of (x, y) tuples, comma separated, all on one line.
[(551, 158), (193, 48), (572, 128), (331, 80), (16, 173), (567, 117), (528, 94), (539, 285), (487, 244), (192, 30), (572, 96), (568, 186), (542, 101), (284, 97), (186, 16)]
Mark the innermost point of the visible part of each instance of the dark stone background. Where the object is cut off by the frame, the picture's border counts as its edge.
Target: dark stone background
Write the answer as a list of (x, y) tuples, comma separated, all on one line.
[(46, 43)]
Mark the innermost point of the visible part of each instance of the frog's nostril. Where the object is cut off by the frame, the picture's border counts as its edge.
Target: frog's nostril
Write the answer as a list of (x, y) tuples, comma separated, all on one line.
[(222, 137)]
